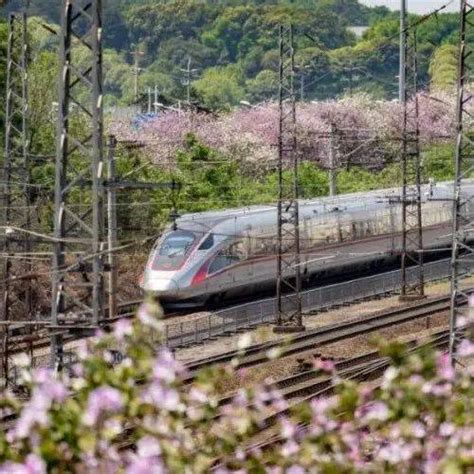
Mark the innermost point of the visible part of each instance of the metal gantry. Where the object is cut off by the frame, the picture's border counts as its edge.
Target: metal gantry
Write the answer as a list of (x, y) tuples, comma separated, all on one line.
[(411, 199), (79, 241), (17, 295), (289, 317), (463, 220)]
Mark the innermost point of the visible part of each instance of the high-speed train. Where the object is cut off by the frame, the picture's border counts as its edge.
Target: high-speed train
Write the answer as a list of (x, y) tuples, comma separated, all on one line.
[(225, 254)]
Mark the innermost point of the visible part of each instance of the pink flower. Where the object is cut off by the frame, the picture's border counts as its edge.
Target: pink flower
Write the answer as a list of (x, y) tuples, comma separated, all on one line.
[(50, 385), (166, 367), (146, 315), (465, 348), (101, 400), (123, 328), (376, 411), (444, 368), (10, 467), (325, 365), (470, 300), (240, 399), (295, 469), (288, 429), (290, 448), (148, 447), (198, 396), (33, 465), (396, 452), (140, 465), (418, 430), (446, 429), (35, 411), (162, 397)]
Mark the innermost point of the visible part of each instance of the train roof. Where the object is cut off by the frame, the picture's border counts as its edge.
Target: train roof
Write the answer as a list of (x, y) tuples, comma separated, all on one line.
[(201, 221)]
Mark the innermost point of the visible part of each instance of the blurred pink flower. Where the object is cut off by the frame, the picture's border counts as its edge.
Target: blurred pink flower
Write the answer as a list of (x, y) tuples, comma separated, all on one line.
[(166, 367), (375, 411), (465, 348), (33, 465), (123, 328), (101, 400), (326, 365), (444, 367), (148, 447), (162, 397)]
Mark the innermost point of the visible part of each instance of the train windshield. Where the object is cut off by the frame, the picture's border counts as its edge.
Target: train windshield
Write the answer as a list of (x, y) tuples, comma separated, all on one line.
[(173, 250)]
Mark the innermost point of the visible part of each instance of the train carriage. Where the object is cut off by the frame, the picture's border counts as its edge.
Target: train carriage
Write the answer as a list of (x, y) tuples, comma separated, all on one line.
[(214, 255)]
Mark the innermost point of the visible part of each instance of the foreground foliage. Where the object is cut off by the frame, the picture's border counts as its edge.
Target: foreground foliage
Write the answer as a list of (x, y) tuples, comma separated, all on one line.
[(420, 419)]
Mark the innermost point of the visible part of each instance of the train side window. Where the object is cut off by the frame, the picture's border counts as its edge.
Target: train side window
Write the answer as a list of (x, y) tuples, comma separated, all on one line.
[(228, 256), (208, 243), (222, 260)]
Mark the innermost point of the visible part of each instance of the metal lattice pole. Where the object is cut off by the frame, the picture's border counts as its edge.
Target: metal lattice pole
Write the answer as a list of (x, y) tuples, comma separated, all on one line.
[(112, 227), (463, 222), (17, 298), (288, 266), (78, 281), (412, 225)]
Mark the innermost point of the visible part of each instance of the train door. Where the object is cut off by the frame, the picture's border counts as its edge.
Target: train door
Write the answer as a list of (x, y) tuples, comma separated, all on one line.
[(249, 243), (305, 245)]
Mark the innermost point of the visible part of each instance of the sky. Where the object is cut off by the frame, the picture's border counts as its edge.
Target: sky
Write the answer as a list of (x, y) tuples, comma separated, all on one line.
[(416, 6)]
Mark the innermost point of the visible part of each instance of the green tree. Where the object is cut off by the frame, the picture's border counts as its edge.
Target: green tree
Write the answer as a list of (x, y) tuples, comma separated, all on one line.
[(444, 67), (263, 87), (221, 87)]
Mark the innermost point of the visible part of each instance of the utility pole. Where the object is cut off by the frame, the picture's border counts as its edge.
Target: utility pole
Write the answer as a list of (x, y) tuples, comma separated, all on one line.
[(403, 39), (351, 80), (290, 317), (78, 262), (332, 161), (463, 230), (156, 100), (189, 75), (136, 73), (188, 81), (112, 226), (16, 195), (412, 222)]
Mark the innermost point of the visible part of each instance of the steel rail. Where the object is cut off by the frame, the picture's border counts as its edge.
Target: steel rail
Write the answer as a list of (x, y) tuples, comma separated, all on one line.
[(258, 354)]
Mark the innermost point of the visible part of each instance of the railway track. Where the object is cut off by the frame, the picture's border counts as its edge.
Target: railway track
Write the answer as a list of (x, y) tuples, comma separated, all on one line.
[(360, 369), (309, 340), (41, 339), (199, 334), (257, 354)]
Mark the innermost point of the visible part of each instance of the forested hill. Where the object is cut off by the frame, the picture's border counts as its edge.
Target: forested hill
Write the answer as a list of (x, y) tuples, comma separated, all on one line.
[(231, 46)]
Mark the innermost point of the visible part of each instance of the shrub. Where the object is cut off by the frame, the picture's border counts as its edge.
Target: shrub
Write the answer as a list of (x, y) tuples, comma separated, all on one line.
[(420, 418)]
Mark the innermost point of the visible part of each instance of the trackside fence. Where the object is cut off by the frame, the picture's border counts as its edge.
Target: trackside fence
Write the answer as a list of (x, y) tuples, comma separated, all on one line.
[(249, 315)]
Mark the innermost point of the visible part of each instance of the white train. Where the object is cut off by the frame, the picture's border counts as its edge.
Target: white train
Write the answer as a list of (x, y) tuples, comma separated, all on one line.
[(215, 255)]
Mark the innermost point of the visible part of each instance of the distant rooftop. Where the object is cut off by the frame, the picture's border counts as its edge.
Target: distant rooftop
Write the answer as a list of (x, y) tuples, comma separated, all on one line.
[(358, 30)]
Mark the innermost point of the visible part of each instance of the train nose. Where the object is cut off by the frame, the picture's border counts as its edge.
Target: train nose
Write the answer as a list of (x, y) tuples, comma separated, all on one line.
[(160, 285)]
